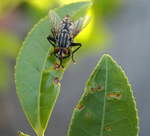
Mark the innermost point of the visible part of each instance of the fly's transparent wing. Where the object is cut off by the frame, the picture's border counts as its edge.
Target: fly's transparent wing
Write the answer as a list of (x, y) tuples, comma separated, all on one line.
[(55, 22), (79, 25)]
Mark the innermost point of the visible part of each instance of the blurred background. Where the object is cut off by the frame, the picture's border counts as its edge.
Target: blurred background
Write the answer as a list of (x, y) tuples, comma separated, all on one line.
[(119, 27)]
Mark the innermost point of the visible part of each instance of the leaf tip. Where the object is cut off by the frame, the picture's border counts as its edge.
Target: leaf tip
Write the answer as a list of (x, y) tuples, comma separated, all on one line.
[(106, 56)]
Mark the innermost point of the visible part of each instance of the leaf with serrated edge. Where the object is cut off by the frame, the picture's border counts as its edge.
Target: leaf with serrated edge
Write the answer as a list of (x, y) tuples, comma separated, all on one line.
[(37, 79), (107, 107)]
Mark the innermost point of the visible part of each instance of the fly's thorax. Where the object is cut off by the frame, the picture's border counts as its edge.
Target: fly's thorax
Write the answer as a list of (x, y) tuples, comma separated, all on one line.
[(66, 23)]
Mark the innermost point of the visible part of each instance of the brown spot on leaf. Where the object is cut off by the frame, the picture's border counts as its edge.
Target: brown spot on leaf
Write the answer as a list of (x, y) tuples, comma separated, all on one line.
[(56, 66), (109, 128), (100, 88), (56, 80), (97, 89), (93, 89), (114, 95), (80, 106)]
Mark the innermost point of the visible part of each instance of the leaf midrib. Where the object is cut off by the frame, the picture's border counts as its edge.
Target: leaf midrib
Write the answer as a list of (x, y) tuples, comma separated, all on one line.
[(104, 107)]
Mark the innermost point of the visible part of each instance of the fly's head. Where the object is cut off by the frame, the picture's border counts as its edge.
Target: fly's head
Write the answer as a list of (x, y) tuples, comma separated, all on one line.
[(66, 19)]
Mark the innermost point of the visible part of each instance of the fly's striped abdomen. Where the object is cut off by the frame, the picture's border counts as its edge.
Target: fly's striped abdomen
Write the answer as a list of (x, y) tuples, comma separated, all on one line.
[(63, 39)]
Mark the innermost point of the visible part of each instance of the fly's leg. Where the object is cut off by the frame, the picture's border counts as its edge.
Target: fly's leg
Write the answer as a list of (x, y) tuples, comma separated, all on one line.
[(60, 59), (67, 56), (72, 45), (51, 40)]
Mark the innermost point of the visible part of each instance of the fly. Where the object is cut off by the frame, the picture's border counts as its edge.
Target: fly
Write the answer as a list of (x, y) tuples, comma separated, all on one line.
[(63, 33)]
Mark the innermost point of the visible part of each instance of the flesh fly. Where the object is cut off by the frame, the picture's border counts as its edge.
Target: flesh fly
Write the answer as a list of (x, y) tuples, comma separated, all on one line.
[(63, 32)]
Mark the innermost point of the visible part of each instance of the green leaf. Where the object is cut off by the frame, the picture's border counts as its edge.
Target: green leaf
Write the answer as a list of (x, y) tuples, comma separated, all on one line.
[(37, 77), (107, 107), (22, 134)]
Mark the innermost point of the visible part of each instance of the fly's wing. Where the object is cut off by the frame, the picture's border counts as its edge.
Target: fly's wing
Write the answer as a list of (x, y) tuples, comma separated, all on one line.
[(55, 22), (79, 25)]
